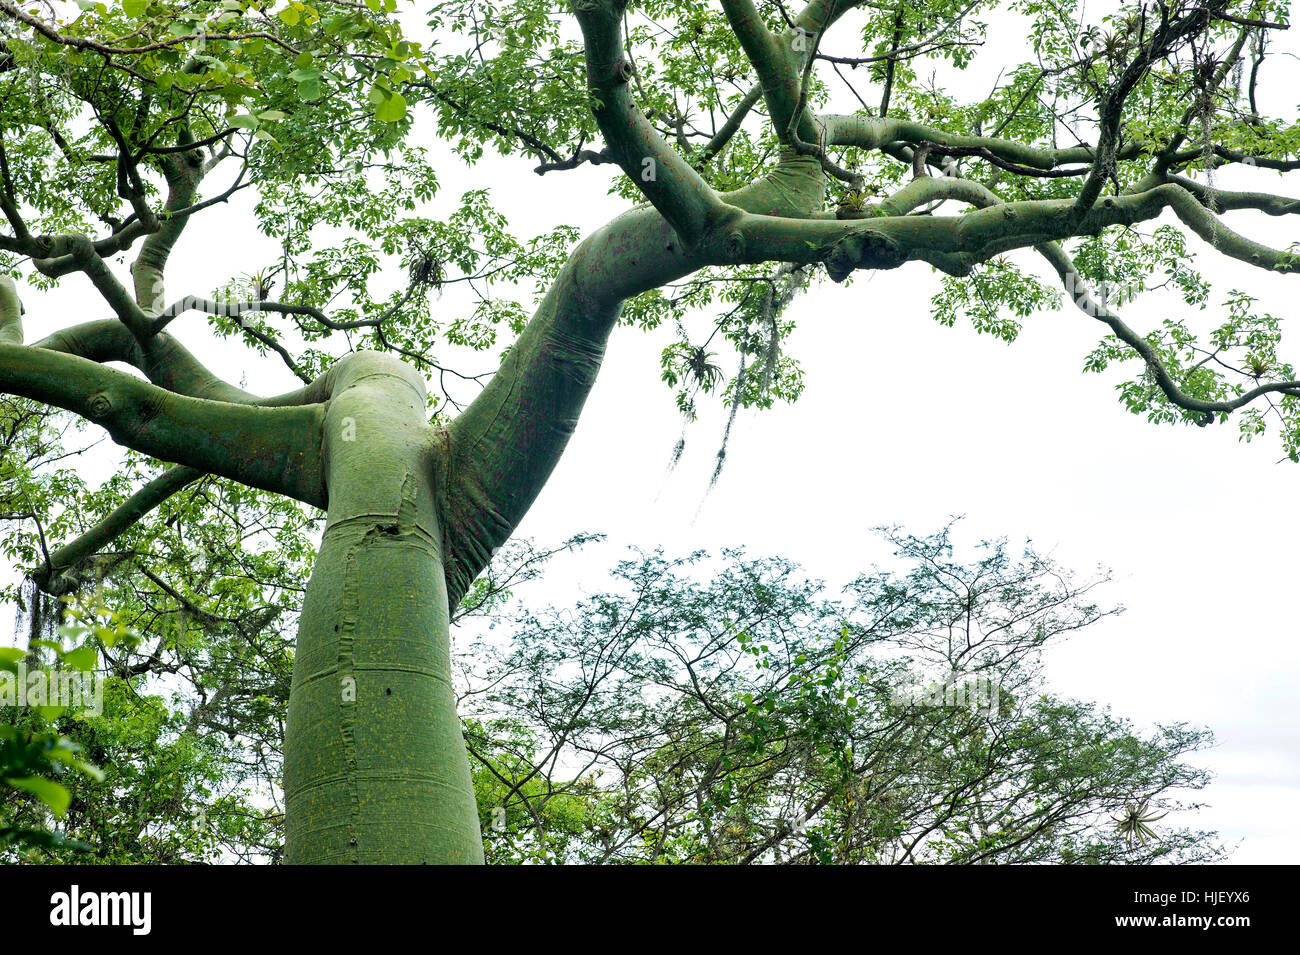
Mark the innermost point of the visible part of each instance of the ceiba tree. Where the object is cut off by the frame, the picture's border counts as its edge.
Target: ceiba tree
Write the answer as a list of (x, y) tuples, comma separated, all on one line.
[(115, 122)]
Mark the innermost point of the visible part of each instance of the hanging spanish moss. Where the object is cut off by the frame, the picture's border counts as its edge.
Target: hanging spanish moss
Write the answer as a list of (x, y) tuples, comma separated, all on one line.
[(675, 458), (39, 614), (688, 415), (784, 283), (736, 394), (787, 281), (678, 448), (1204, 72), (772, 343)]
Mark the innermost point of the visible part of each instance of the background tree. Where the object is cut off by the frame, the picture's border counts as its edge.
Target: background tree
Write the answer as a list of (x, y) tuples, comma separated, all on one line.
[(749, 717), (121, 125)]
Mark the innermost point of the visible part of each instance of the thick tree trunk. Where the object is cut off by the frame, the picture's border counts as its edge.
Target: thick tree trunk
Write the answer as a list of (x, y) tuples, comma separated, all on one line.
[(375, 764)]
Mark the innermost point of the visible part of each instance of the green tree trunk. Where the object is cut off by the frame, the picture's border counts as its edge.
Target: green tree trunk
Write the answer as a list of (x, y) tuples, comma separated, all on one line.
[(375, 764), (413, 515)]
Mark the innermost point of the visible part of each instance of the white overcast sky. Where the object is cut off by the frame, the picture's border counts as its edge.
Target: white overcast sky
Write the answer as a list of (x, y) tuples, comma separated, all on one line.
[(905, 421)]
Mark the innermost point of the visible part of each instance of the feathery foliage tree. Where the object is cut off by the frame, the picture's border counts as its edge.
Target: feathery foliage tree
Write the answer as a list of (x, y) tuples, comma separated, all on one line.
[(750, 717), (121, 125)]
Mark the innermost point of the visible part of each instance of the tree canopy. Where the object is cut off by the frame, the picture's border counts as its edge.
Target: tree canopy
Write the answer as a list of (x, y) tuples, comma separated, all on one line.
[(1105, 126)]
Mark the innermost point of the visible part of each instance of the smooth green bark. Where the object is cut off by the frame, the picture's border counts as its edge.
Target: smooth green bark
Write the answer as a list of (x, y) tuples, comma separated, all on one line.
[(276, 449), (500, 451), (375, 764)]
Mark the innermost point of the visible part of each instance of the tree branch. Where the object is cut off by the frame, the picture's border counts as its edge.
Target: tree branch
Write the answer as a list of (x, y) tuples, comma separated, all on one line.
[(499, 452), (921, 192), (168, 365), (671, 184), (1164, 39), (1100, 311), (776, 63), (1227, 200), (11, 313), (869, 132), (83, 43), (276, 449), (729, 128), (183, 173), (957, 244), (580, 156)]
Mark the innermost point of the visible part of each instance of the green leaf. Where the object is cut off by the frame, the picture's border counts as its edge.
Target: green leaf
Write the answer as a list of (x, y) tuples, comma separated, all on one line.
[(308, 80), (40, 839), (135, 8), (91, 770), (10, 658), (243, 121), (289, 16), (82, 658), (392, 110), (53, 794), (67, 756)]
